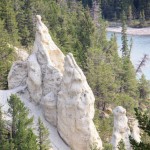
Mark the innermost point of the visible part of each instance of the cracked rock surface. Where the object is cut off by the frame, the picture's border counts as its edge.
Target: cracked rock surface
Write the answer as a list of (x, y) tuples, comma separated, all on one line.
[(56, 90)]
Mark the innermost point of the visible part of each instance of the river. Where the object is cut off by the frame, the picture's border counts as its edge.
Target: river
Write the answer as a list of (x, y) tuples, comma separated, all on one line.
[(141, 46)]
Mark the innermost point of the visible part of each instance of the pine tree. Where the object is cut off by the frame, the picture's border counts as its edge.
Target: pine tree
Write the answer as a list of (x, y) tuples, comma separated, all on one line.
[(88, 3), (130, 16), (25, 22), (7, 14), (128, 77), (22, 133), (84, 32), (129, 82), (144, 124), (142, 18), (43, 136), (4, 142), (6, 56), (143, 87), (125, 49)]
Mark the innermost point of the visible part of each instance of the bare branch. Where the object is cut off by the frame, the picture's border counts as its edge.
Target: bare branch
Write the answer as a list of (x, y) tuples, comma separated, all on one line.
[(142, 63)]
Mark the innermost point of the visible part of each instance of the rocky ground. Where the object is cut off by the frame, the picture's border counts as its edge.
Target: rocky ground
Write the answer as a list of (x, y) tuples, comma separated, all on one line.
[(132, 31)]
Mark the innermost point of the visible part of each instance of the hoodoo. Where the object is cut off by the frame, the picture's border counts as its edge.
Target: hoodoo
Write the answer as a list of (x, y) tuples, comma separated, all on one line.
[(55, 89), (76, 109)]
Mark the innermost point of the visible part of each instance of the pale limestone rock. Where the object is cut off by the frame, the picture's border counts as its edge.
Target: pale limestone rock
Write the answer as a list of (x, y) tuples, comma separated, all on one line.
[(76, 109), (135, 130), (51, 65), (67, 103), (34, 80), (121, 129), (51, 80), (21, 54), (47, 51), (51, 87), (49, 106), (17, 75)]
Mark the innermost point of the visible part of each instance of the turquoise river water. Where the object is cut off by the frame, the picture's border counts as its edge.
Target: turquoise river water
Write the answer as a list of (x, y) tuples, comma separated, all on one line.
[(141, 46)]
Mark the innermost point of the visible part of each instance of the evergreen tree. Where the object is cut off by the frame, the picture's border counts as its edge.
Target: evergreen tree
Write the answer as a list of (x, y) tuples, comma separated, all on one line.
[(128, 77), (4, 142), (129, 82), (8, 16), (143, 87), (43, 136), (25, 22), (142, 18), (125, 49), (6, 56), (113, 8), (22, 134), (144, 124), (130, 16), (84, 31)]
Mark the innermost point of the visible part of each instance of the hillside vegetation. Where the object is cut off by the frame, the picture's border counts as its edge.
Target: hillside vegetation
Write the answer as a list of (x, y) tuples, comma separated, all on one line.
[(74, 29)]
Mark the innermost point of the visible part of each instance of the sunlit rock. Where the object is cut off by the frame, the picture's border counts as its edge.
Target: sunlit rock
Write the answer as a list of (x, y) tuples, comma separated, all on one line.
[(135, 130), (51, 87), (34, 80), (59, 90), (46, 49), (121, 129), (17, 75), (76, 109)]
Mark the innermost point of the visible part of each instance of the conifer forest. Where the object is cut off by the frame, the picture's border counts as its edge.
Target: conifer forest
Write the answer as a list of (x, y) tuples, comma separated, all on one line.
[(78, 27)]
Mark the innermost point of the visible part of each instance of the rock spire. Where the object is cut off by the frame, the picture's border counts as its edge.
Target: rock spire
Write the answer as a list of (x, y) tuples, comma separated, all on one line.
[(76, 108), (121, 130), (56, 85)]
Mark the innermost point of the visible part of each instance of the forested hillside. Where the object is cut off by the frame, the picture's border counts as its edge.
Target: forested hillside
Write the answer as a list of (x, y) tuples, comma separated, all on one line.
[(112, 9), (74, 29)]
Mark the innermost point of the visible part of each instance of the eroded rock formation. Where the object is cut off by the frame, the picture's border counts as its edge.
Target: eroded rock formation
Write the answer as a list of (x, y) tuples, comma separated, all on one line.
[(41, 73), (121, 129), (59, 88), (17, 75), (51, 86), (34, 79), (76, 109), (135, 130), (46, 50)]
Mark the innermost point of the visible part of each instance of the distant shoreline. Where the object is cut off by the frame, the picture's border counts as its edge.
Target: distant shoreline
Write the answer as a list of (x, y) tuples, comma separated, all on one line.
[(131, 31)]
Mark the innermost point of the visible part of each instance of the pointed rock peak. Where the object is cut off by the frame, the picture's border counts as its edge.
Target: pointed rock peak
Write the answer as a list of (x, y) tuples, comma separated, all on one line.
[(71, 66), (46, 46), (40, 25), (75, 108)]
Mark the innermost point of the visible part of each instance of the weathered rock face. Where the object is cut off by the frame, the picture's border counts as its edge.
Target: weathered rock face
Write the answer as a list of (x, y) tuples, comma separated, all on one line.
[(51, 81), (121, 129), (41, 72), (46, 49), (76, 109), (34, 80), (135, 130), (51, 87), (59, 88), (17, 75), (21, 54)]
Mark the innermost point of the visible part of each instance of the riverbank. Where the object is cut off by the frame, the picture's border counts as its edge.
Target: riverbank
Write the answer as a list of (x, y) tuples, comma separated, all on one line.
[(131, 31)]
